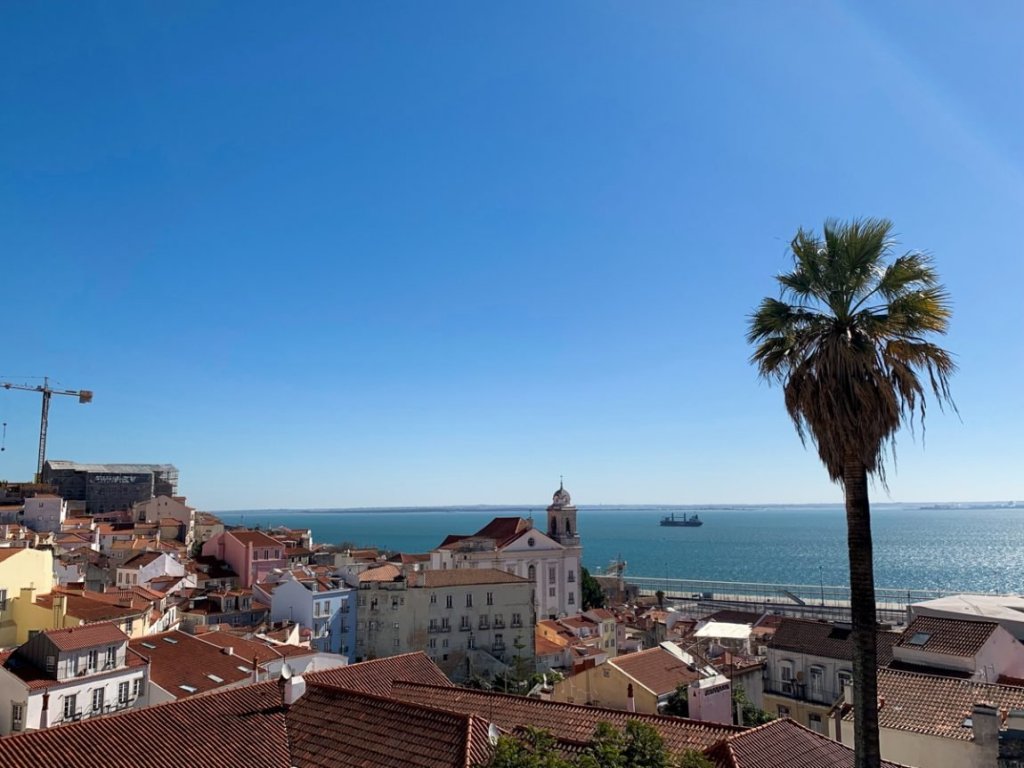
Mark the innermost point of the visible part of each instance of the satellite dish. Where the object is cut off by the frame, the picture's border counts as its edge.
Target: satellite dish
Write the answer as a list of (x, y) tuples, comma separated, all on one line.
[(286, 672), (492, 734)]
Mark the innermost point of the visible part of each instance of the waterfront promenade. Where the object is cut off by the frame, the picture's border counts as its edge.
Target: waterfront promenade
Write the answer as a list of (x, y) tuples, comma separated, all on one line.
[(807, 600)]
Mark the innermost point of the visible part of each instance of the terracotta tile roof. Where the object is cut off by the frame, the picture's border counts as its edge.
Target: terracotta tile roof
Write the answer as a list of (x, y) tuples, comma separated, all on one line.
[(330, 726), (601, 614), (545, 647), (178, 659), (573, 722), (8, 552), (256, 538), (76, 638), (382, 573), (378, 675), (245, 726), (950, 637), (459, 577), (934, 705), (820, 638), (734, 617), (782, 744), (248, 648), (504, 529), (658, 670), (144, 558)]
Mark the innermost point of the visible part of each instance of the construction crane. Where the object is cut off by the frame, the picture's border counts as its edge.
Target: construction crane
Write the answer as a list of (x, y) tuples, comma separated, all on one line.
[(83, 395)]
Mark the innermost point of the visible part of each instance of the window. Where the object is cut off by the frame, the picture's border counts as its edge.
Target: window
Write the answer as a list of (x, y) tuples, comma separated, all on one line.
[(136, 686), (433, 642), (433, 626), (490, 598), (17, 716), (919, 638), (572, 599), (517, 621), (531, 573), (815, 724), (51, 663), (3, 599), (469, 599), (471, 643), (551, 591), (97, 700), (783, 711), (551, 573), (122, 692), (433, 599), (571, 577), (786, 676), (111, 657), (499, 621), (448, 601), (397, 642), (93, 660), (845, 678), (444, 644), (445, 625), (70, 706), (817, 675), (127, 628), (465, 624)]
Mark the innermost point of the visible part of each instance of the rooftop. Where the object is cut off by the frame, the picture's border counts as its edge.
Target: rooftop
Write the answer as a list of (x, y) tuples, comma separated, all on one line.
[(950, 637), (459, 577), (567, 721), (783, 744), (87, 636), (656, 669), (937, 706), (830, 641)]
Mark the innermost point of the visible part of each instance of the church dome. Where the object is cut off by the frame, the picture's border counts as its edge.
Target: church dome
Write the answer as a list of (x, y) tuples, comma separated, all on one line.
[(561, 498)]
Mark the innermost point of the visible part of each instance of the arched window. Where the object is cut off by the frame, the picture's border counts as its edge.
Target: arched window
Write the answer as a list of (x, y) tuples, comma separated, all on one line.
[(531, 573), (553, 528), (568, 527)]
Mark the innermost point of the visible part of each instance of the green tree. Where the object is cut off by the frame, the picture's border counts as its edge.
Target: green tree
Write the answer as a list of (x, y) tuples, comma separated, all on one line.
[(660, 596), (848, 340), (691, 758), (644, 747), (678, 703), (751, 715), (591, 592)]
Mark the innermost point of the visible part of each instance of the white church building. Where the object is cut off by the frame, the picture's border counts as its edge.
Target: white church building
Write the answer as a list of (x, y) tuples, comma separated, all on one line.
[(551, 559)]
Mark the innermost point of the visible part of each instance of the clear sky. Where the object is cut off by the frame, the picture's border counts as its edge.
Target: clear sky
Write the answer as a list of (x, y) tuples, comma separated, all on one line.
[(409, 253)]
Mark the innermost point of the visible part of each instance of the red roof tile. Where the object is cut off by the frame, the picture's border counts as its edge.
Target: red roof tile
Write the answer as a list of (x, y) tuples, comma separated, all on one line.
[(656, 669), (950, 637), (782, 744), (329, 726), (378, 675), (87, 636), (572, 722)]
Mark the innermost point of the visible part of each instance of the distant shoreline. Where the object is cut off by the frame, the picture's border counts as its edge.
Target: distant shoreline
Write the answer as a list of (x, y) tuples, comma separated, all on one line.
[(909, 506)]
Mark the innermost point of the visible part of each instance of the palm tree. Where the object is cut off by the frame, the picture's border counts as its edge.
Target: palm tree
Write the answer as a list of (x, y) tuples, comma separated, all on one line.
[(848, 341)]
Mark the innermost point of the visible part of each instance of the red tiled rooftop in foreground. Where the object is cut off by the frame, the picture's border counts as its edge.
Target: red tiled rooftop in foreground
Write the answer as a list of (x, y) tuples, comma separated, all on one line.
[(378, 676), (571, 722), (783, 744)]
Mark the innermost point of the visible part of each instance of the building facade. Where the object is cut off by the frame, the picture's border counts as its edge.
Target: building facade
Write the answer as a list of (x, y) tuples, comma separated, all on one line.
[(471, 623), (102, 488), (551, 560)]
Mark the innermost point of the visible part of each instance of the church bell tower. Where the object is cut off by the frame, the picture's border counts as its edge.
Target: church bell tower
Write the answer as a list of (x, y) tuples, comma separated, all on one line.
[(562, 519)]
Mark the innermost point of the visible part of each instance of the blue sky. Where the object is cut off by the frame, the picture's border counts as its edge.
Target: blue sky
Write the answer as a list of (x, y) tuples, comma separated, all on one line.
[(347, 254)]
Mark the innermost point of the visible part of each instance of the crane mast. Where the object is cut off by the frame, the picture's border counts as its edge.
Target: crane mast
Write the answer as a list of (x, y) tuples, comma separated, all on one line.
[(83, 395)]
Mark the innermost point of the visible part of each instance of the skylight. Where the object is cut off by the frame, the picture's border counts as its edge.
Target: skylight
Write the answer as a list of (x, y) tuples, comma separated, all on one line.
[(148, 645), (188, 688), (919, 638), (244, 669), (170, 640), (215, 678)]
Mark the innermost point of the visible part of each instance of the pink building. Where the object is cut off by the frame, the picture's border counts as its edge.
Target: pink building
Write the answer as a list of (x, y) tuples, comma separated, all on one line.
[(252, 554)]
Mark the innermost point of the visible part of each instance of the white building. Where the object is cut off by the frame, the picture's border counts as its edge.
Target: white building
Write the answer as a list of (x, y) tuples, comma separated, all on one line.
[(66, 675), (45, 513), (140, 570), (512, 544)]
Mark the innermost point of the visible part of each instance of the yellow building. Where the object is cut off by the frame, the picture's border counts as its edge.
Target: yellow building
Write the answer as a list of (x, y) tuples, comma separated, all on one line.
[(134, 616), (20, 568)]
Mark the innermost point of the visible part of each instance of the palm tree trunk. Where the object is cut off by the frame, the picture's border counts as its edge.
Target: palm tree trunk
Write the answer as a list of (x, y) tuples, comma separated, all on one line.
[(862, 609)]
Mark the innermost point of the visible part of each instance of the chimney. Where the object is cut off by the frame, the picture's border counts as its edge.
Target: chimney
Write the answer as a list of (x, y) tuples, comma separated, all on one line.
[(228, 651), (294, 687), (1015, 720), (630, 701), (43, 713), (985, 724), (839, 723), (255, 670), (848, 693)]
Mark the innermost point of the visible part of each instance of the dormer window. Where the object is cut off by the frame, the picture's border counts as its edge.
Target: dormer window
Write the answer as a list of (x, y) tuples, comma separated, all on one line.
[(93, 660), (111, 657)]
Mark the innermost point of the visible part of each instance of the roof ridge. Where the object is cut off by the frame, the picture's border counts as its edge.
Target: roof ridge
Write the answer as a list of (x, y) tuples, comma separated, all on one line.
[(584, 707)]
